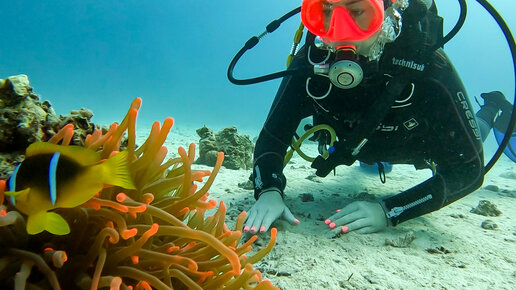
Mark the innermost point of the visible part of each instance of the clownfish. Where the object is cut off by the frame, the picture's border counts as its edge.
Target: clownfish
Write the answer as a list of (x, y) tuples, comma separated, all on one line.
[(57, 176)]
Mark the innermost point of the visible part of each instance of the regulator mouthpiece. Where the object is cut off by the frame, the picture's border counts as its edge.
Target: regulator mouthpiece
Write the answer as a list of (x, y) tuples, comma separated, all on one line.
[(344, 72)]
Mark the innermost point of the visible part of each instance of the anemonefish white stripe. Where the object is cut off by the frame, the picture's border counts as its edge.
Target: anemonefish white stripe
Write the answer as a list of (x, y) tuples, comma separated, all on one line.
[(52, 172), (12, 182)]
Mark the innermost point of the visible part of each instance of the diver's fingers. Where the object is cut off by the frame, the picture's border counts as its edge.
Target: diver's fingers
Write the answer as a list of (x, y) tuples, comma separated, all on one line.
[(348, 209), (358, 226), (366, 230), (251, 216), (268, 219), (337, 231), (258, 221), (287, 214), (346, 219), (355, 225)]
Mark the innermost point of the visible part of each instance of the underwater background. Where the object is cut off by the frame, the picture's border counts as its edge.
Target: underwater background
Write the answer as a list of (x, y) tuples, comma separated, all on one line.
[(174, 55), (103, 55)]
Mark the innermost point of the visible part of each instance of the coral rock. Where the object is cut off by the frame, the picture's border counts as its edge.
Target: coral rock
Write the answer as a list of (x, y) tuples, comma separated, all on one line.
[(489, 225), (486, 208), (19, 125), (24, 119), (238, 149), (19, 85)]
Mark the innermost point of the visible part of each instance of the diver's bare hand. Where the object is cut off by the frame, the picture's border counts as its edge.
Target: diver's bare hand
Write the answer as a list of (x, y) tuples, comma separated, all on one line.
[(266, 210), (364, 217)]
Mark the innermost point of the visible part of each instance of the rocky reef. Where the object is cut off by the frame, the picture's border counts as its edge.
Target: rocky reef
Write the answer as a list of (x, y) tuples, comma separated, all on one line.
[(25, 119), (238, 149)]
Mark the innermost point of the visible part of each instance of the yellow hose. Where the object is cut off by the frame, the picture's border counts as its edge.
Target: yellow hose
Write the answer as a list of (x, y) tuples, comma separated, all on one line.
[(297, 40), (296, 144)]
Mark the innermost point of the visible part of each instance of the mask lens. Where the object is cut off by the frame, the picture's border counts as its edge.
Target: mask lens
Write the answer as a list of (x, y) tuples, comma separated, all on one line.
[(342, 20)]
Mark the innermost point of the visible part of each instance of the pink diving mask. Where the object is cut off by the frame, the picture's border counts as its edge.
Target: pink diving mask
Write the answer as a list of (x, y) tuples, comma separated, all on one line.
[(342, 20)]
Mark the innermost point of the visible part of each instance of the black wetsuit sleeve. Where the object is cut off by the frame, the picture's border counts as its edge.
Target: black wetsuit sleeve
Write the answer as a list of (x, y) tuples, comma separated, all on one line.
[(289, 107), (456, 149)]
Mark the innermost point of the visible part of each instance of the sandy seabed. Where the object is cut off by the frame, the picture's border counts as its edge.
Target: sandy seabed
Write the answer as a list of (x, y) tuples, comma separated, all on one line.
[(446, 249)]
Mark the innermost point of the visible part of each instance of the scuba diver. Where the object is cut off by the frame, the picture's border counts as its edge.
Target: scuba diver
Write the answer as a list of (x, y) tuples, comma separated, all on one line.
[(380, 79)]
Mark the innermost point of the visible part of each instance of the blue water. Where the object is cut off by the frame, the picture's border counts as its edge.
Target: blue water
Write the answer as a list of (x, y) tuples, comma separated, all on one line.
[(174, 54), (101, 54)]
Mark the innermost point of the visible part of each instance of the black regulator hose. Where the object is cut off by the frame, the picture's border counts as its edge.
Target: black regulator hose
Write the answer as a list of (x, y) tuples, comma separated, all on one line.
[(457, 27), (512, 46), (252, 42)]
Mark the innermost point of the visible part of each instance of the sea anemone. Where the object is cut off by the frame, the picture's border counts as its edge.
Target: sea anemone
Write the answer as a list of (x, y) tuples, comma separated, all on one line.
[(156, 236)]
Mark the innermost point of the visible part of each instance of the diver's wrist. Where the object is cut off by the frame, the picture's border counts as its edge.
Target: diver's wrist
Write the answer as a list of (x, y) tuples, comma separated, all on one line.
[(271, 189), (385, 211)]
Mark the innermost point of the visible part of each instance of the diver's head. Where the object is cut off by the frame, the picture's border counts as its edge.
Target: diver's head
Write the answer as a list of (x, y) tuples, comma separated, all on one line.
[(365, 24), (351, 28)]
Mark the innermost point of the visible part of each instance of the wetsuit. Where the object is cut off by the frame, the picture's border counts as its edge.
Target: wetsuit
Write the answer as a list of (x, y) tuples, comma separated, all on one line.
[(430, 122)]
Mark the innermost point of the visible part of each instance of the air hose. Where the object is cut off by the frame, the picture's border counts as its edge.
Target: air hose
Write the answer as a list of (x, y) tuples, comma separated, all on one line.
[(296, 144)]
